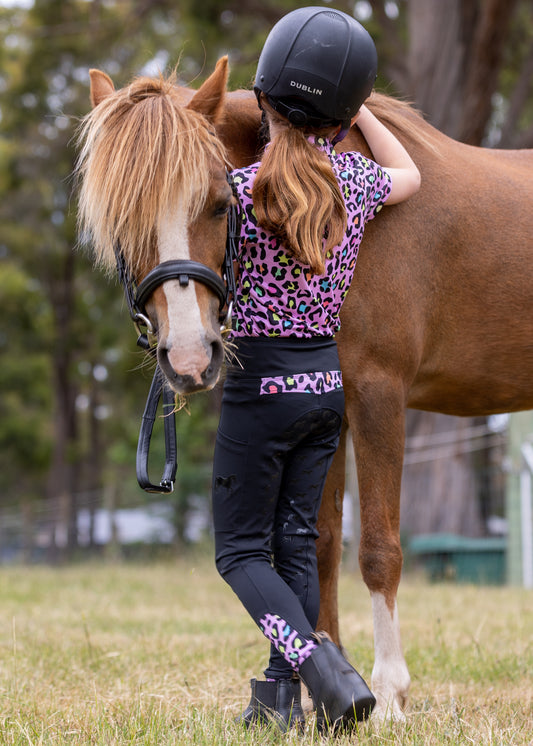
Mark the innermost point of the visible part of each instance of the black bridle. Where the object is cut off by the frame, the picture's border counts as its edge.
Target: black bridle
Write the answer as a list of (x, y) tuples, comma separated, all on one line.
[(137, 296)]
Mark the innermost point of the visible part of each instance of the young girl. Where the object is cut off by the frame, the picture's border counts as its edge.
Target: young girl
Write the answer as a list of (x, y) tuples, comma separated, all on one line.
[(304, 209)]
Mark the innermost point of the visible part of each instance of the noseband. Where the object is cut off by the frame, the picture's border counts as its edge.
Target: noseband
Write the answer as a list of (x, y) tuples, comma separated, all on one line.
[(182, 270)]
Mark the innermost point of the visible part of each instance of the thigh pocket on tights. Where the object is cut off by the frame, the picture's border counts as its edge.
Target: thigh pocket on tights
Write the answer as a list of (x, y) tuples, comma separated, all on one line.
[(233, 428), (230, 442)]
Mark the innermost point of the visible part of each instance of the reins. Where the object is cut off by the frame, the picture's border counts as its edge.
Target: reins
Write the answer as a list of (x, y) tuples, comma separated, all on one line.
[(137, 296)]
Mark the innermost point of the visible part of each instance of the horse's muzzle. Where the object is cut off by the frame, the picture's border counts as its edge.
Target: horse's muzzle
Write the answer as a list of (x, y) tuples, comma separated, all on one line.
[(187, 374)]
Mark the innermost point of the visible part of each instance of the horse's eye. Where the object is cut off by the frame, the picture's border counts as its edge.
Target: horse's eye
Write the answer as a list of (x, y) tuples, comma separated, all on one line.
[(222, 210)]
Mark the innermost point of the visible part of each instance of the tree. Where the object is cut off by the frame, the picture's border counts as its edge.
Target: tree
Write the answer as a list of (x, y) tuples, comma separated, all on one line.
[(466, 65), (25, 377)]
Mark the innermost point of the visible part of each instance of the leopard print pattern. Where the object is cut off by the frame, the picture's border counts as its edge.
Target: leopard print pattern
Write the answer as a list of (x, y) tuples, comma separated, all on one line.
[(302, 383), (293, 647), (276, 294)]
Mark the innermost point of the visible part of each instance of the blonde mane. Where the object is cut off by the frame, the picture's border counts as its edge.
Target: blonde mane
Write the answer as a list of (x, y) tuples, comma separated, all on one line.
[(141, 150)]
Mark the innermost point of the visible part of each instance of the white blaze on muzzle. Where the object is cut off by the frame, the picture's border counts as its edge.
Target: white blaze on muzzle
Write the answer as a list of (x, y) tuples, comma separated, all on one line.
[(185, 333)]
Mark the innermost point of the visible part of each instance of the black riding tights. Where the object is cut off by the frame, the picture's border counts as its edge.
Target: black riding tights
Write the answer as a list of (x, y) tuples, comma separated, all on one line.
[(272, 454)]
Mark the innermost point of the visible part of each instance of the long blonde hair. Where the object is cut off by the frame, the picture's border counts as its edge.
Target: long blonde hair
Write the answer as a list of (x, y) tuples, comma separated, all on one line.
[(296, 195)]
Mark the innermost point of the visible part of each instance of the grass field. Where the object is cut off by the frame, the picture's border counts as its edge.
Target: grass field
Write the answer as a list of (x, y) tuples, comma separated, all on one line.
[(162, 654)]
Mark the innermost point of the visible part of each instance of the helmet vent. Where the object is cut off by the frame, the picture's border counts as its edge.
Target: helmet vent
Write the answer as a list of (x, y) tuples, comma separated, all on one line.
[(332, 14)]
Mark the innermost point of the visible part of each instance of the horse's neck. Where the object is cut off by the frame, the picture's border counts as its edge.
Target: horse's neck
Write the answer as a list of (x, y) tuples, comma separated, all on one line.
[(239, 130)]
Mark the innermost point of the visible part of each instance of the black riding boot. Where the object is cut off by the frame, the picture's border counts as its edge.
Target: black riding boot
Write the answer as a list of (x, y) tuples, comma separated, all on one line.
[(339, 694), (275, 702)]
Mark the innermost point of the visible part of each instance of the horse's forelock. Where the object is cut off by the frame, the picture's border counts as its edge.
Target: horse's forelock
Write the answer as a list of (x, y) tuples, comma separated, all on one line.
[(141, 151)]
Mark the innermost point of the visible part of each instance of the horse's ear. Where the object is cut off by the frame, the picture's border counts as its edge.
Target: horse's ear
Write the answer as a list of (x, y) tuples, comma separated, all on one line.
[(209, 98), (101, 86)]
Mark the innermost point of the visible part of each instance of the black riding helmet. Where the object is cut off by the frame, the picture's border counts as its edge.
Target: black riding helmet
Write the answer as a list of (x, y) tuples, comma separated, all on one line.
[(317, 67)]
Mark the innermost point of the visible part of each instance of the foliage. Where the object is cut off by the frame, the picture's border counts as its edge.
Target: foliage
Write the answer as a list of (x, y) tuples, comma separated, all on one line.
[(25, 406)]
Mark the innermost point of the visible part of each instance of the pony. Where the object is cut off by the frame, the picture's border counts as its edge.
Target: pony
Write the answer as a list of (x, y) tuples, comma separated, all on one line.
[(436, 318)]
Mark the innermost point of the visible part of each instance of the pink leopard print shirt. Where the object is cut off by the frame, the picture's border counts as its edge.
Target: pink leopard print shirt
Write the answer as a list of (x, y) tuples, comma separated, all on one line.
[(277, 296)]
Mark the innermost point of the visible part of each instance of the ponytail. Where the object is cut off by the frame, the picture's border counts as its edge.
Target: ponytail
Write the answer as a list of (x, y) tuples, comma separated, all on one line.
[(297, 198)]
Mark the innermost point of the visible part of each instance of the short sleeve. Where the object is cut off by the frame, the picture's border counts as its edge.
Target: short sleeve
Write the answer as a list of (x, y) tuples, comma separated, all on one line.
[(243, 179), (378, 185)]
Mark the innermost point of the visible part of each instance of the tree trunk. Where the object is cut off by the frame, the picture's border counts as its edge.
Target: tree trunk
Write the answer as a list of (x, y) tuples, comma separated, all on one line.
[(95, 461), (454, 61), (436, 60), (63, 469)]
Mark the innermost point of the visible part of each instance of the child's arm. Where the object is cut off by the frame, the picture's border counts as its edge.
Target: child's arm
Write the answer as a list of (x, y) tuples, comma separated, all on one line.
[(391, 155)]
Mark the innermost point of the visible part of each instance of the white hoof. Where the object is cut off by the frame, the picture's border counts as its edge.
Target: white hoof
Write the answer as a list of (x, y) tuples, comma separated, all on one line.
[(385, 712)]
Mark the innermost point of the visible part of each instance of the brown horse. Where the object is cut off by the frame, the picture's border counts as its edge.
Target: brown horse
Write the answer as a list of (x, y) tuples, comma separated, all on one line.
[(436, 319)]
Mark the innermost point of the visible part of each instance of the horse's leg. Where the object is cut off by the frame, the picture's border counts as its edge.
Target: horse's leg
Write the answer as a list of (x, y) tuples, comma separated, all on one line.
[(376, 417), (329, 542)]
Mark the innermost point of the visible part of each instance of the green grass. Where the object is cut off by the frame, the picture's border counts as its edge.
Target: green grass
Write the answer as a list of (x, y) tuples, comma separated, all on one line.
[(162, 654)]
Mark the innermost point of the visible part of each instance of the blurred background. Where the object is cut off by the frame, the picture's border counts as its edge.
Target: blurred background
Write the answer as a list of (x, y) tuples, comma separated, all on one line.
[(72, 383)]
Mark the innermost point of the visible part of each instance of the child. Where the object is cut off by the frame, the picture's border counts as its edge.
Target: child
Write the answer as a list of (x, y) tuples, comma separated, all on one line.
[(304, 210)]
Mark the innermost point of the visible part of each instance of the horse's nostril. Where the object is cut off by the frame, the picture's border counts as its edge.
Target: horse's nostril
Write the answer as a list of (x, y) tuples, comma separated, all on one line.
[(217, 354), (165, 365)]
